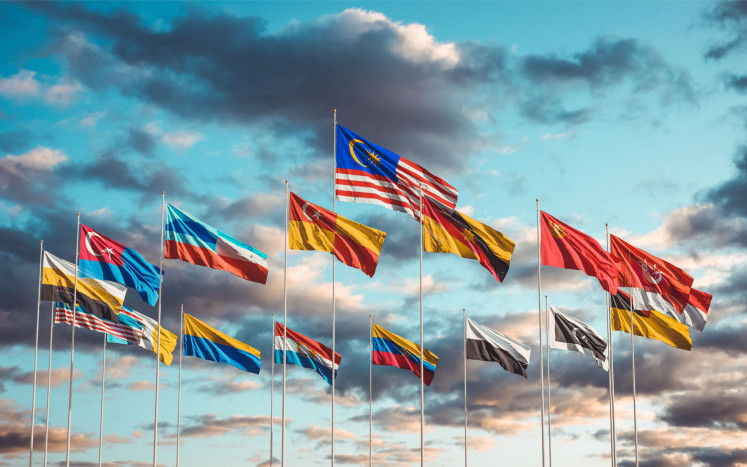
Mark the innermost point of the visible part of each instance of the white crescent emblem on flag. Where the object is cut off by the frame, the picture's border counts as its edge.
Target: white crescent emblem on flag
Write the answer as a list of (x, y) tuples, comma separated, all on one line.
[(303, 208), (90, 235)]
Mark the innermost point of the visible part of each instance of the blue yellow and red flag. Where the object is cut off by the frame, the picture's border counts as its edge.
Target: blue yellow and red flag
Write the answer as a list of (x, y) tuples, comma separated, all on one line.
[(393, 350)]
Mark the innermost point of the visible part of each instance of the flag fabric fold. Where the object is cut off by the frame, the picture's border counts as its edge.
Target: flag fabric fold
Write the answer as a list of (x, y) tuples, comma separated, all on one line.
[(642, 270), (193, 241), (694, 315), (456, 233), (311, 227), (489, 345), (148, 328), (650, 324), (203, 341), (569, 248), (393, 350), (305, 352), (63, 313), (101, 298), (368, 173), (103, 258), (569, 333)]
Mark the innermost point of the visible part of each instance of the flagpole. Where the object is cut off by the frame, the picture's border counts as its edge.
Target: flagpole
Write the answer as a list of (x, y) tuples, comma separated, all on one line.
[(422, 380), (49, 386), (611, 373), (285, 324), (179, 391), (72, 345), (272, 382), (370, 390), (635, 413), (158, 339), (101, 420), (549, 403), (334, 206), (539, 318), (36, 351), (464, 320)]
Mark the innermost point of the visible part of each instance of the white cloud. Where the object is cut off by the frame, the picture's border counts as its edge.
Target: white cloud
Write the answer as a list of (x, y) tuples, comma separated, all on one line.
[(62, 94), (179, 139), (38, 159), (21, 85)]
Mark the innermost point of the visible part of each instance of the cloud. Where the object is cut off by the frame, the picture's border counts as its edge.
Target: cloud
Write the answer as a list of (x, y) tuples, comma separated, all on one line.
[(22, 84), (728, 15), (40, 159), (178, 139), (208, 426)]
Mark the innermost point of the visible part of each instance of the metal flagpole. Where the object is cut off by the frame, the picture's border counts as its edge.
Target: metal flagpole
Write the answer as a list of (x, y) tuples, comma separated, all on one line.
[(179, 391), (101, 420), (36, 351), (49, 387), (464, 319), (72, 345), (611, 373), (272, 382), (158, 339), (549, 404), (370, 391), (422, 381), (635, 413), (285, 324), (539, 319), (334, 207)]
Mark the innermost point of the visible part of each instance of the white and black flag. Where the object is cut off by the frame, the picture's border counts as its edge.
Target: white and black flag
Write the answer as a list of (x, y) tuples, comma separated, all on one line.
[(568, 333), (488, 345)]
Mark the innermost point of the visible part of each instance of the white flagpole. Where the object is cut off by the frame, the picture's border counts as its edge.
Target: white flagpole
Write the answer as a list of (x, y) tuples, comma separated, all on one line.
[(285, 324), (101, 420), (611, 373), (334, 207), (72, 345), (272, 382), (179, 391), (549, 403), (464, 319), (539, 318), (422, 380), (36, 351), (49, 386), (370, 390), (635, 413), (158, 339)]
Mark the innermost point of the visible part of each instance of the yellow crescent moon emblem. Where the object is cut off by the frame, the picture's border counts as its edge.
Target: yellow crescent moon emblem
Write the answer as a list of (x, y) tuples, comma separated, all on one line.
[(352, 151)]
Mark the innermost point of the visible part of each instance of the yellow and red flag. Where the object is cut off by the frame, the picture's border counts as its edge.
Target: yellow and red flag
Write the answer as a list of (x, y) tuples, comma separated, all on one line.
[(311, 227), (649, 324)]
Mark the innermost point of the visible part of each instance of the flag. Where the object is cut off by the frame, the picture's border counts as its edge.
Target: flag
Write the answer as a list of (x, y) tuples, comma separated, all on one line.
[(103, 258), (202, 341), (368, 173), (694, 315), (308, 353), (148, 339), (191, 240), (568, 248), (311, 227), (100, 298), (391, 349), (456, 233), (643, 270), (650, 324), (569, 333), (63, 313), (488, 345)]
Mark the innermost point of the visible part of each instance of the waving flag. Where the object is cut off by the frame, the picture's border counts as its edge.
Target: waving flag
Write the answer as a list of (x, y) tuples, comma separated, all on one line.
[(694, 315), (458, 234), (148, 339), (202, 341), (311, 227), (103, 258), (308, 353), (568, 248), (391, 349), (489, 345), (192, 241), (368, 173), (650, 324), (569, 333), (63, 313)]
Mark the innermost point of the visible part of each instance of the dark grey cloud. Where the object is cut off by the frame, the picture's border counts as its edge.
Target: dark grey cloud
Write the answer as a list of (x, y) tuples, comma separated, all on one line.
[(716, 408), (730, 195), (730, 16), (736, 82), (142, 141), (15, 141)]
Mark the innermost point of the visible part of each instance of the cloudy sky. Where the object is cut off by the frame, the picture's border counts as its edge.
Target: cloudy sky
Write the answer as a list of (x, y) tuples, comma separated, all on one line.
[(627, 113)]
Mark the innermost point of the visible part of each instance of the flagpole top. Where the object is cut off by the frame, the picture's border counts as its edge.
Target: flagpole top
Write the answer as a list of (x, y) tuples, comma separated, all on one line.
[(163, 193), (42, 242)]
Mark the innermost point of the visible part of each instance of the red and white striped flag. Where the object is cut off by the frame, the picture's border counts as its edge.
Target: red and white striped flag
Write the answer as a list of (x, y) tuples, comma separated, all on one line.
[(83, 319), (368, 173)]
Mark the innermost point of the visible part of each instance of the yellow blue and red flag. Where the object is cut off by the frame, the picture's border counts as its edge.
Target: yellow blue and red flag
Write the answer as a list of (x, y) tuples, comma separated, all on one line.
[(393, 350), (202, 341), (148, 338), (305, 352)]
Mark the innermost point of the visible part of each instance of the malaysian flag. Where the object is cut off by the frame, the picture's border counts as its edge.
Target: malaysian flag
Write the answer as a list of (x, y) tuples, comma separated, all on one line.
[(84, 319), (367, 173)]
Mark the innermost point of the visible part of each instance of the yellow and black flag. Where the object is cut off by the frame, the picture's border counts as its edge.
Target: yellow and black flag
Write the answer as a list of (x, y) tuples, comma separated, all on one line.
[(456, 233), (649, 324)]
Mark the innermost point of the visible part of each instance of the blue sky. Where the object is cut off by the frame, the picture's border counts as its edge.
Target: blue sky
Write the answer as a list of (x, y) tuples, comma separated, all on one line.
[(627, 113)]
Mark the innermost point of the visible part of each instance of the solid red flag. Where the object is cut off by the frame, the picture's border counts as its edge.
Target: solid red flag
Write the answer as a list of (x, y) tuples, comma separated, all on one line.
[(642, 270), (568, 248)]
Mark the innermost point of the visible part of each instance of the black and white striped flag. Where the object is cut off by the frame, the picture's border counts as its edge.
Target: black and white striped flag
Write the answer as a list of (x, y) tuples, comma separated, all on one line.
[(568, 333), (488, 345)]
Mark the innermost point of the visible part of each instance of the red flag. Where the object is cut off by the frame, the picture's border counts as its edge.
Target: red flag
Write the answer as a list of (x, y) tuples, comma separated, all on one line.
[(568, 248), (645, 271)]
